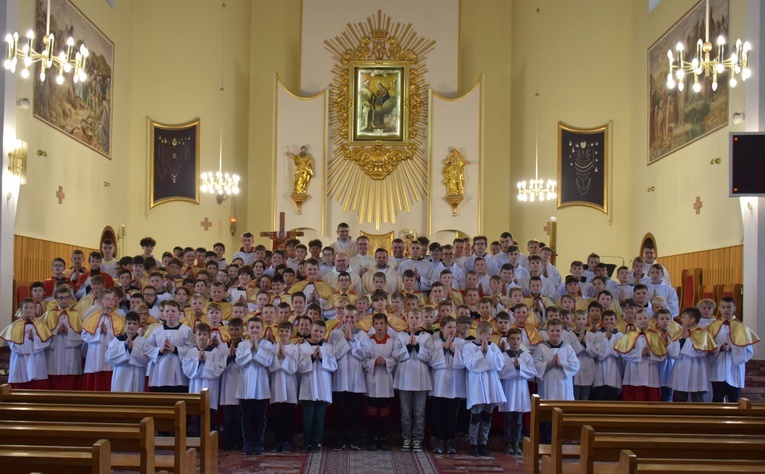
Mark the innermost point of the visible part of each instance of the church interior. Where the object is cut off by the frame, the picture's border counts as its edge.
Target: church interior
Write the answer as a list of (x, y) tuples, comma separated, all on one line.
[(487, 91)]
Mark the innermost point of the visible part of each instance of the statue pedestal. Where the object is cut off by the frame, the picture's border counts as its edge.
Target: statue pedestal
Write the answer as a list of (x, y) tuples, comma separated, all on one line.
[(454, 200), (299, 199)]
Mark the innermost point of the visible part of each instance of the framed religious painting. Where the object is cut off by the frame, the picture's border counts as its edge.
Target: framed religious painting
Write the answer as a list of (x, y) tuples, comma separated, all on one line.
[(379, 95), (676, 117), (83, 110), (173, 162), (583, 166)]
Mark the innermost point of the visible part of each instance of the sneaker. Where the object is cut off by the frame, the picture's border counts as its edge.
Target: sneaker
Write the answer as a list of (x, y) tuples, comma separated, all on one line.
[(247, 450), (439, 449), (483, 450), (450, 449), (317, 447), (510, 448), (286, 447), (406, 445), (519, 448), (417, 446), (339, 447), (307, 448), (258, 450), (474, 450), (355, 447)]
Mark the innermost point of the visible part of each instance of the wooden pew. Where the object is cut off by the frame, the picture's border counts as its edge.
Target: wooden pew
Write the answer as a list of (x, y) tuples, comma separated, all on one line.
[(135, 441), (20, 459), (630, 463), (607, 447), (197, 404), (569, 426), (165, 419), (541, 411)]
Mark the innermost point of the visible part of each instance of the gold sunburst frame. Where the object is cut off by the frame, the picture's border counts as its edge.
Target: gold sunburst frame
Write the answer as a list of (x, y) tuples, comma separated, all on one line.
[(378, 174)]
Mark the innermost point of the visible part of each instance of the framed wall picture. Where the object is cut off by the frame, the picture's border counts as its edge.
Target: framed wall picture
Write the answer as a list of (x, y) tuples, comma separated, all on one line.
[(583, 166), (677, 118), (173, 162), (83, 111), (379, 94)]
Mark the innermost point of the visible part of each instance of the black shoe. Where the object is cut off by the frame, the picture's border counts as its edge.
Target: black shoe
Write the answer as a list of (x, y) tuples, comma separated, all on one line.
[(307, 448), (355, 447), (339, 447), (259, 450), (372, 444), (484, 451), (474, 450)]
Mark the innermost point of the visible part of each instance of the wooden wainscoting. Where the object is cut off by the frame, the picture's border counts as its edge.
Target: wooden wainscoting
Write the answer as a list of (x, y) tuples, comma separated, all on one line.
[(718, 266), (32, 258)]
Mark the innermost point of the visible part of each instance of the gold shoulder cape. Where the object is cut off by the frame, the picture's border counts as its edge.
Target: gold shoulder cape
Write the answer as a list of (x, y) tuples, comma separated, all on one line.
[(15, 332), (91, 324), (653, 338), (75, 321), (740, 335)]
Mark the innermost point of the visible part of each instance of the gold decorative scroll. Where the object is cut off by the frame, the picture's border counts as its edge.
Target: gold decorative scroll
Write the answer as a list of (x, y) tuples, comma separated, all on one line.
[(378, 177)]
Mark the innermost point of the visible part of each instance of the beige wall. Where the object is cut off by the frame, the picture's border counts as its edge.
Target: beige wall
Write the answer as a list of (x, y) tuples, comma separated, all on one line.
[(593, 71)]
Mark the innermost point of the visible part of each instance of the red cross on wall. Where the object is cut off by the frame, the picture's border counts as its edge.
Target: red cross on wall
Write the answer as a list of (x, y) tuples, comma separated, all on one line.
[(206, 224), (697, 205), (60, 194)]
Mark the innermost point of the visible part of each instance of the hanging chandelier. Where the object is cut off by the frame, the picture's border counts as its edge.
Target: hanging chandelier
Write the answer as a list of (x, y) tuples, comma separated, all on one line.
[(537, 189), (218, 182), (736, 63), (71, 61)]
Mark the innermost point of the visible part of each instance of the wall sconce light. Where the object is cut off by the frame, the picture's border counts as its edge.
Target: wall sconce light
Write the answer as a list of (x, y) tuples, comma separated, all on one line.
[(651, 189), (232, 216), (714, 161), (42, 153), (17, 160), (738, 118)]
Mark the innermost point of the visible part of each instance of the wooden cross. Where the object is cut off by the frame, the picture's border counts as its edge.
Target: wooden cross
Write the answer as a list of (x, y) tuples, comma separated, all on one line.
[(547, 228), (60, 194), (697, 205), (206, 224), (280, 236)]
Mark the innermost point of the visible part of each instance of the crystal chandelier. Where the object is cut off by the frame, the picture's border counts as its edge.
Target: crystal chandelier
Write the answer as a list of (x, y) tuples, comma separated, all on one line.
[(73, 60), (736, 63), (218, 182), (537, 189)]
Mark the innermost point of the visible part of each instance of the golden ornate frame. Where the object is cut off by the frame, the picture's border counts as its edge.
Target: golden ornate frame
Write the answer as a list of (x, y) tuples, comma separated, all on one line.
[(378, 178), (188, 130)]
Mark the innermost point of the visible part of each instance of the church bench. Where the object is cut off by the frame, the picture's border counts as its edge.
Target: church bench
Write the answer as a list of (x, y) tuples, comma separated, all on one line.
[(630, 463), (541, 412), (165, 419), (566, 426), (606, 447), (197, 404), (135, 441), (20, 459)]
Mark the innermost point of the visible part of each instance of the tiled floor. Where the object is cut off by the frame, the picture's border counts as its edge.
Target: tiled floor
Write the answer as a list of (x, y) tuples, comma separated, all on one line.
[(231, 462)]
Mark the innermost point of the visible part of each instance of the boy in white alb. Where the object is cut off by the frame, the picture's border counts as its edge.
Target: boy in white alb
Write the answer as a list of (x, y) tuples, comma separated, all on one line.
[(27, 338), (449, 384), (483, 361), (518, 370), (254, 356), (584, 343), (232, 414), (166, 345), (316, 364), (65, 351), (98, 331), (204, 365), (608, 365), (348, 381), (379, 365), (126, 355), (284, 386), (413, 350), (736, 342), (690, 374)]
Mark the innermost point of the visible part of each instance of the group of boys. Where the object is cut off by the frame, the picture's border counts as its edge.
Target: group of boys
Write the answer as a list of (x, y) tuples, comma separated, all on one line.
[(455, 328)]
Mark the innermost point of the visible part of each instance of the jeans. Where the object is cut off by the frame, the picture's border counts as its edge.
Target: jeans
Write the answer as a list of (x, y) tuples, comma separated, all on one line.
[(667, 394), (282, 417), (413, 413), (348, 419), (720, 390), (696, 397), (582, 392), (512, 427), (480, 423), (232, 426), (253, 420), (445, 417), (313, 421)]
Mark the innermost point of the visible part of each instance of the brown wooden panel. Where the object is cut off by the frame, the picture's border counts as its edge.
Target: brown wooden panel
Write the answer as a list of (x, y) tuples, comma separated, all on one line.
[(32, 258)]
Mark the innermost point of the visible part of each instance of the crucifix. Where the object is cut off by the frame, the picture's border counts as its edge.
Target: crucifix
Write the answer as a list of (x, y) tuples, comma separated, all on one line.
[(551, 229), (280, 236), (60, 194), (697, 205)]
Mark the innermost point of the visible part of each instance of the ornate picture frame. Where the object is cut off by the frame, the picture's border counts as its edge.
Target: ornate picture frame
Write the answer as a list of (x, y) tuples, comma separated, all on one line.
[(583, 166), (379, 102), (173, 162), (82, 111), (678, 118)]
